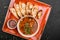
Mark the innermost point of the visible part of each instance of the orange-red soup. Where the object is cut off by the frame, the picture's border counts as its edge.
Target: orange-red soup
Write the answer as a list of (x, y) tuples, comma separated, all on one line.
[(28, 25)]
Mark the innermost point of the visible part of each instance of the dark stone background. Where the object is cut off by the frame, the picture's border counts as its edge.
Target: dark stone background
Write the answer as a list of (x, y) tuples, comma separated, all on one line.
[(52, 29)]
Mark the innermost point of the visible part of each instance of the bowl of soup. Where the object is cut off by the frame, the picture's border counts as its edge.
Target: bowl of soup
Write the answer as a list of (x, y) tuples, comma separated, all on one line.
[(27, 26)]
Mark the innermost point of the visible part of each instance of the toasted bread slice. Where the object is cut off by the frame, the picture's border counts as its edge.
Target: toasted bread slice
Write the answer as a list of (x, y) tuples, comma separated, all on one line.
[(13, 11), (16, 6)]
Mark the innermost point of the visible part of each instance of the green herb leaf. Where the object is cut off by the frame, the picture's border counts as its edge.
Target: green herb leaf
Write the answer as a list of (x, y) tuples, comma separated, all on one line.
[(27, 28)]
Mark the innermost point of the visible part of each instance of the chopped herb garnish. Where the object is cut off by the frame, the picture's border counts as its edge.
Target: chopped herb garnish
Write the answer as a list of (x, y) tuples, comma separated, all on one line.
[(27, 28)]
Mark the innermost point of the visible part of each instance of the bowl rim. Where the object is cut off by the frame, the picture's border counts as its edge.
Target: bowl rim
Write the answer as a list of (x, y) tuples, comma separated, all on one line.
[(8, 24), (24, 34)]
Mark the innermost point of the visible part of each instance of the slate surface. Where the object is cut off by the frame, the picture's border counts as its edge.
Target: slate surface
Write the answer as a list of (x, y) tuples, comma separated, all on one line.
[(52, 29)]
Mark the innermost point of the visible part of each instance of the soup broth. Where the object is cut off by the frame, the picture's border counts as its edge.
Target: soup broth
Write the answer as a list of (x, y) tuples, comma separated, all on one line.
[(28, 25)]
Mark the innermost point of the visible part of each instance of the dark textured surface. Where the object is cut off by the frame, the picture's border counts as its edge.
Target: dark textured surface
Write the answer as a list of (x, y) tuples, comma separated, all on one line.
[(52, 29)]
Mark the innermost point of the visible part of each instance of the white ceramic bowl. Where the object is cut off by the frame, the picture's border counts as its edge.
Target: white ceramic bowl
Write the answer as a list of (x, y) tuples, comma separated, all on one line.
[(28, 36), (8, 24)]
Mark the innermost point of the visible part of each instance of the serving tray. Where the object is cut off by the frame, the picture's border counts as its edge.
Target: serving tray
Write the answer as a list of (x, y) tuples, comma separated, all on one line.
[(42, 21)]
